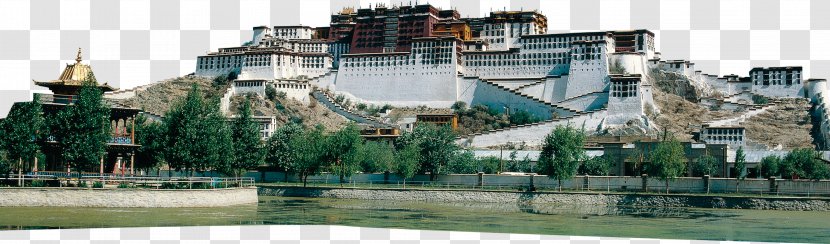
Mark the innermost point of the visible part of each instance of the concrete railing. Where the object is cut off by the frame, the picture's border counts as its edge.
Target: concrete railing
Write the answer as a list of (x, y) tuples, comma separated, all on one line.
[(579, 183)]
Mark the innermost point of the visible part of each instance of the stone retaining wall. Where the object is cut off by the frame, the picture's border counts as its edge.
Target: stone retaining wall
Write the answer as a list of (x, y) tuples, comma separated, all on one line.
[(126, 198), (552, 198)]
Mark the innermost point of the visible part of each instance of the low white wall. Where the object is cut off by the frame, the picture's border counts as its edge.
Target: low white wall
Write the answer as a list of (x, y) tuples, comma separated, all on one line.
[(126, 198), (532, 135), (588, 102)]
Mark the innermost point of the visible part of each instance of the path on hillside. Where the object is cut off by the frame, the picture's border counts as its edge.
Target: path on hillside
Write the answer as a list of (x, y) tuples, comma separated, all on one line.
[(739, 119), (323, 99)]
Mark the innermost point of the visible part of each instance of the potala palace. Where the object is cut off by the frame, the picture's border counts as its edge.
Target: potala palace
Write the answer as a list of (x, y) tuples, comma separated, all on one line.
[(410, 56)]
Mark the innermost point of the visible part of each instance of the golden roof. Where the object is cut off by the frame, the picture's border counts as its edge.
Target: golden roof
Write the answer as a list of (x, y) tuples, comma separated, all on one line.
[(75, 75)]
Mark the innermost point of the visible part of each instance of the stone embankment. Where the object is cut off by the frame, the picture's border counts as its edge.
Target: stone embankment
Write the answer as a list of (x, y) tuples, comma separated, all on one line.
[(553, 198), (126, 198)]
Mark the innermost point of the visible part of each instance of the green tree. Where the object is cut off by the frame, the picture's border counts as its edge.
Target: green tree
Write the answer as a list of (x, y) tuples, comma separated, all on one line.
[(597, 166), (463, 162), (740, 167), (525, 164), (770, 166), (152, 136), (281, 152), (407, 162), (311, 151), (520, 117), (198, 135), (83, 129), (705, 165), (20, 132), (247, 142), (513, 162), (805, 163), (377, 157), (489, 164), (666, 161), (437, 146), (792, 165), (562, 151), (344, 151), (5, 164)]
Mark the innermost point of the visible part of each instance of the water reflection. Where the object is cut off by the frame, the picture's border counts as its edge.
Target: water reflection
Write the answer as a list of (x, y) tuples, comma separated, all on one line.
[(520, 217)]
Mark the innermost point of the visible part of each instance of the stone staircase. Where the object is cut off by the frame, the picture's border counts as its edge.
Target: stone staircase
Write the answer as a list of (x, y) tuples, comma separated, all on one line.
[(326, 100), (517, 93)]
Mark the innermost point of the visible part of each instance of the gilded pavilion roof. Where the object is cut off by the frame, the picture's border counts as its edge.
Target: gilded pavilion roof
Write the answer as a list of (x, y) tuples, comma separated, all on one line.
[(74, 75)]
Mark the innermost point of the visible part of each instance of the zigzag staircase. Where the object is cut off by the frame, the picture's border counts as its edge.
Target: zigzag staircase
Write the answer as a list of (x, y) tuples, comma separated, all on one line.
[(326, 100), (549, 104)]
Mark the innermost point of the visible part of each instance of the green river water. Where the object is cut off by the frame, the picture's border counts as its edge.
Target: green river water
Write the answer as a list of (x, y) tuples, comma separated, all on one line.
[(664, 223)]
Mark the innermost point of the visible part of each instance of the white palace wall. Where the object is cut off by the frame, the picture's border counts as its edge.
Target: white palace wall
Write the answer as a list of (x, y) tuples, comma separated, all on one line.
[(633, 63), (592, 101), (475, 91), (405, 85), (587, 76)]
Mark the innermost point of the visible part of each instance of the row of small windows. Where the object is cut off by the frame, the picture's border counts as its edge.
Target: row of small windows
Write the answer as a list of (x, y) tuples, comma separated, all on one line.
[(249, 83), (567, 39), (624, 89), (725, 138), (218, 62), (546, 62), (776, 78), (291, 86), (725, 131)]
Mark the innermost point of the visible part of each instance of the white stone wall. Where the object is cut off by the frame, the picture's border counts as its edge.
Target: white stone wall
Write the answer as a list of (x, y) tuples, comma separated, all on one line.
[(791, 91), (476, 91), (588, 71), (426, 76), (633, 63), (533, 135), (126, 198), (293, 89), (249, 86), (738, 87), (592, 101), (514, 83)]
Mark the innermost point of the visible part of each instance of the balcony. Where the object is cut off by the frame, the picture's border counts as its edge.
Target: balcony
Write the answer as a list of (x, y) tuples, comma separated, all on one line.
[(115, 139), (68, 99)]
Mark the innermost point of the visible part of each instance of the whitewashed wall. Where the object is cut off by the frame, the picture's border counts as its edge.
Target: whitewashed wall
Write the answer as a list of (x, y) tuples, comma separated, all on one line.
[(533, 135)]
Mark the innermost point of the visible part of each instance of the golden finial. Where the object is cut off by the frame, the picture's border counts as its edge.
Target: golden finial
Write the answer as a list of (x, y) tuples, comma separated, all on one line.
[(78, 59)]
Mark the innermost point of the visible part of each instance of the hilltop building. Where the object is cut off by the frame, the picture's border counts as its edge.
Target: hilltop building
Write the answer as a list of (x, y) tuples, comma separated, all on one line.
[(419, 55)]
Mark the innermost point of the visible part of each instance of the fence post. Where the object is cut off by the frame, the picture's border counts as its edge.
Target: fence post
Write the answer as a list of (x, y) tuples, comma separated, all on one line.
[(480, 179), (585, 185), (706, 184), (532, 187), (644, 178), (773, 185)]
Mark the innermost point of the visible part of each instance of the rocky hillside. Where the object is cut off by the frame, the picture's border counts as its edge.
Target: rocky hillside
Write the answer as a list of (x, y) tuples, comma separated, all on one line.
[(787, 124), (682, 117), (286, 110), (158, 99)]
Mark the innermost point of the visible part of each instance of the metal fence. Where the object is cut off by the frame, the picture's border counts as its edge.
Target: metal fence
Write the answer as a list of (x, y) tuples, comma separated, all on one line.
[(96, 180)]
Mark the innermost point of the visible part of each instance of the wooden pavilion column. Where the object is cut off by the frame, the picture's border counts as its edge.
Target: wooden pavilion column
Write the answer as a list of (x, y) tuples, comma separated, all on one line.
[(101, 166), (132, 160), (34, 167), (132, 134)]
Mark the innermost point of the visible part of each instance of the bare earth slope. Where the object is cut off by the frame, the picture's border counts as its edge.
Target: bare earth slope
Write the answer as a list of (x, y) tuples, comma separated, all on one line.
[(681, 117), (158, 99), (290, 109), (787, 124)]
